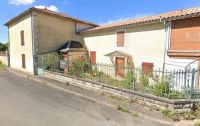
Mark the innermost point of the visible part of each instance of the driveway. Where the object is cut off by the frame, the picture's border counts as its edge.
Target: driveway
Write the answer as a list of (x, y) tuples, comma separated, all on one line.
[(27, 103)]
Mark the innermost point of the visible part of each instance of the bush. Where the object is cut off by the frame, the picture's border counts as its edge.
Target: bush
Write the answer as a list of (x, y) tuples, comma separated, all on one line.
[(144, 81), (80, 68), (129, 79)]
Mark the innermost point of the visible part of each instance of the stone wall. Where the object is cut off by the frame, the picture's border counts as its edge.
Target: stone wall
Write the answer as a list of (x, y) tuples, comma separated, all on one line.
[(152, 101)]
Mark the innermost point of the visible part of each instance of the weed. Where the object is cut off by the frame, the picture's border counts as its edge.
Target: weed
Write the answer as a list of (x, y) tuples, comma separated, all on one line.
[(169, 113), (197, 124), (126, 111)]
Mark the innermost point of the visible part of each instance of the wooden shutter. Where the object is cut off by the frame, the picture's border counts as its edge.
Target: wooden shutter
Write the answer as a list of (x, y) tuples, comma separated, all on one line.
[(23, 61), (93, 57), (22, 38), (120, 39), (147, 68)]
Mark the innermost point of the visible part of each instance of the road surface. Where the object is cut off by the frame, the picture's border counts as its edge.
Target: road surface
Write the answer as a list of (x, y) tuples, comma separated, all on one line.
[(27, 103)]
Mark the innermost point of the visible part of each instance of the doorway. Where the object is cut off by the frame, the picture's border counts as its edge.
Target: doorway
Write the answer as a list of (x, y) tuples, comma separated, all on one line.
[(120, 66)]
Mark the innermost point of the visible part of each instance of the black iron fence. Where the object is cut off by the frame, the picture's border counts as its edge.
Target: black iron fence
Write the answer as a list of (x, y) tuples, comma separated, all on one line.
[(177, 84)]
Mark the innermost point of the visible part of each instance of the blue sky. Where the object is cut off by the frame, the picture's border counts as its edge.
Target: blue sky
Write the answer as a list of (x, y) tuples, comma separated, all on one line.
[(96, 11)]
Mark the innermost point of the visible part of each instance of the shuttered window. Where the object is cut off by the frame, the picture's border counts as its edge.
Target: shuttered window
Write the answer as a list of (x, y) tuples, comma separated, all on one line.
[(147, 68), (93, 57), (120, 39), (22, 37)]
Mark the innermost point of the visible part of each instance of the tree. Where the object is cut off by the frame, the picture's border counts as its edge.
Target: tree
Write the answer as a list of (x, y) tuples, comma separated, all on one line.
[(3, 47)]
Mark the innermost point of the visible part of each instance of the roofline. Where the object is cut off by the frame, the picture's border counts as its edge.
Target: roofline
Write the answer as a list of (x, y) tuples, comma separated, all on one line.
[(45, 11), (158, 20)]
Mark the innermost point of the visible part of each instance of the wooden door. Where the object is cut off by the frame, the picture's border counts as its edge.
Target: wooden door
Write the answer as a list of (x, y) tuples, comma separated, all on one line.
[(23, 61), (120, 66)]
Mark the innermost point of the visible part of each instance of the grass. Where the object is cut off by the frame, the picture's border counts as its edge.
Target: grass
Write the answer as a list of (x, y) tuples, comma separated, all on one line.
[(127, 111)]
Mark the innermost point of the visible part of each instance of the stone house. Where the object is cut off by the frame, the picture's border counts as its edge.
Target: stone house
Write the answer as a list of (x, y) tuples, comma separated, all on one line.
[(39, 31)]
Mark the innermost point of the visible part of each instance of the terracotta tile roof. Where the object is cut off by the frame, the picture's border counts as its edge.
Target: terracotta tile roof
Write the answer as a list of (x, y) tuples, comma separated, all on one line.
[(46, 11), (173, 15)]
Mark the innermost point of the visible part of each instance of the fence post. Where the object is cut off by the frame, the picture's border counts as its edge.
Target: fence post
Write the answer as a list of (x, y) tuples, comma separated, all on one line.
[(185, 79), (192, 83)]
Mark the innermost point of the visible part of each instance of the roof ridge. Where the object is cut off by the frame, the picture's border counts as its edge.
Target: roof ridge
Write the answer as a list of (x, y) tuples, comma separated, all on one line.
[(161, 16), (46, 10)]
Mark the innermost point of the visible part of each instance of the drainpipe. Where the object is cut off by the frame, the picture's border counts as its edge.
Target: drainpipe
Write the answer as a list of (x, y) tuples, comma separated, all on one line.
[(33, 42), (8, 51), (168, 31)]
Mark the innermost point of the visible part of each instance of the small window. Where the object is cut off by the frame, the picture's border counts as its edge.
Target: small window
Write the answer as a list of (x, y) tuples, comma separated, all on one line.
[(22, 37), (120, 39), (23, 61)]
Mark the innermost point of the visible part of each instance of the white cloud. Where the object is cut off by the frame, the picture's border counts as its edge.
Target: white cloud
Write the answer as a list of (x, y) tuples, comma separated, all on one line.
[(51, 7), (22, 2), (123, 18)]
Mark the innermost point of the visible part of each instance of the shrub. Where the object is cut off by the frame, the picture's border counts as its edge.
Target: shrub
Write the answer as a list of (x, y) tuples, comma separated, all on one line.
[(144, 81), (80, 68), (129, 79), (169, 113)]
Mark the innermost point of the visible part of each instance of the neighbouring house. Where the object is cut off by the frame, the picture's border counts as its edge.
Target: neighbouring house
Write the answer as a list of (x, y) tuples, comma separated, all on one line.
[(38, 32), (166, 41)]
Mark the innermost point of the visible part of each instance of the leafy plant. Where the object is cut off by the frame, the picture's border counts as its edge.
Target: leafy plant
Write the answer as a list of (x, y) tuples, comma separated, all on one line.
[(144, 81), (129, 79), (80, 68), (169, 113)]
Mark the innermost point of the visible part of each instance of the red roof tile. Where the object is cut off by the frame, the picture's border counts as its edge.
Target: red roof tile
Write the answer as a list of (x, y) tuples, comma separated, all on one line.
[(173, 15)]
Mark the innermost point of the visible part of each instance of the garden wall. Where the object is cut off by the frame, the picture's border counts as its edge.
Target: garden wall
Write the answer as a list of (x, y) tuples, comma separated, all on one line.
[(152, 101)]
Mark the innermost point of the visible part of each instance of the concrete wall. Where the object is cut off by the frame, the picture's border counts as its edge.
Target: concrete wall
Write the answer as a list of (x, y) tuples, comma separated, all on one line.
[(52, 32), (144, 43), (16, 50), (4, 59)]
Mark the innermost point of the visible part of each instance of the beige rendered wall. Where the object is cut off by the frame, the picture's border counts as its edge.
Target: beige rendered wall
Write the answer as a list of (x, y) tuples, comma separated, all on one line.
[(51, 32), (16, 50), (144, 43), (4, 59)]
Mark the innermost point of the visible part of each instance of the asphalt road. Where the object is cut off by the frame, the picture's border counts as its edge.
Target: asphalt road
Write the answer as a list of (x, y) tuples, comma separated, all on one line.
[(24, 102)]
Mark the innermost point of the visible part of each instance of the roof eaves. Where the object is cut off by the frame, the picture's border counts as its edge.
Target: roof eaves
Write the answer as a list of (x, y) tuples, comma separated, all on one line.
[(46, 12)]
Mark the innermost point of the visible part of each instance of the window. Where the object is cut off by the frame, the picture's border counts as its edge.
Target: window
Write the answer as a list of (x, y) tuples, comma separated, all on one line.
[(120, 39), (147, 68), (23, 61), (22, 37), (93, 57)]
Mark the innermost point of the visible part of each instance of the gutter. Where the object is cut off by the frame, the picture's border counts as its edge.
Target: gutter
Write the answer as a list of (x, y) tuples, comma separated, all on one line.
[(167, 42), (8, 51)]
